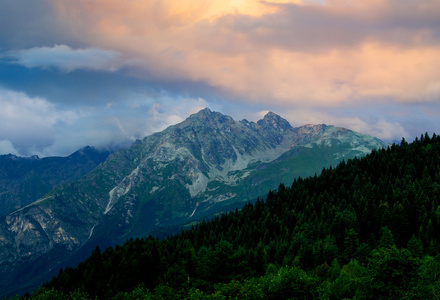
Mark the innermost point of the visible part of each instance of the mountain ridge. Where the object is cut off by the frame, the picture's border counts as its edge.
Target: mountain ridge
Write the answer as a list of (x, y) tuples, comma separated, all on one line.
[(338, 235), (25, 179), (204, 165)]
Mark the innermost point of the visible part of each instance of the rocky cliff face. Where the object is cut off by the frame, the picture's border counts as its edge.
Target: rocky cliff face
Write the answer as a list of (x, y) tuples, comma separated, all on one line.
[(207, 164)]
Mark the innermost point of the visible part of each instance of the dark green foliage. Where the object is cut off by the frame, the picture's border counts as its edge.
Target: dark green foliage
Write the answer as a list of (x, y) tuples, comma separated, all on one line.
[(393, 273), (364, 229)]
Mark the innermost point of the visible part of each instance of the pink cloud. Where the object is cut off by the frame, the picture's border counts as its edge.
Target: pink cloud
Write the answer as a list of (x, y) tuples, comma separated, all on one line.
[(304, 53)]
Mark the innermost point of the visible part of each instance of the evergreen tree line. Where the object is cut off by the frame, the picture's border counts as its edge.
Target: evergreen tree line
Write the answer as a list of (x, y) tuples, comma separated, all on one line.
[(365, 229)]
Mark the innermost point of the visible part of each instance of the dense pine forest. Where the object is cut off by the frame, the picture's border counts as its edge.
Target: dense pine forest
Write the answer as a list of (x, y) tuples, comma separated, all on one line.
[(365, 229)]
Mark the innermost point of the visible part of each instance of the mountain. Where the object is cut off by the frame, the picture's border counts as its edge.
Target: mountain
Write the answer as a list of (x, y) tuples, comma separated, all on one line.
[(205, 165), (365, 229), (25, 179)]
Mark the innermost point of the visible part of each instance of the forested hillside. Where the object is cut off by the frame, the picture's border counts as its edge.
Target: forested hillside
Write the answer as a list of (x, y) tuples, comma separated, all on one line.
[(367, 228)]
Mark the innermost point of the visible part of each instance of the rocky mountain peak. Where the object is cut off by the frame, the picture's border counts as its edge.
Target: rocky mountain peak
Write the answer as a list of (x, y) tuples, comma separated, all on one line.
[(273, 121), (206, 112), (207, 117)]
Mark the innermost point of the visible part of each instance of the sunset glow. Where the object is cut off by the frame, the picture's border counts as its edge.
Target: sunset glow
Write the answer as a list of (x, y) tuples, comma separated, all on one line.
[(290, 56)]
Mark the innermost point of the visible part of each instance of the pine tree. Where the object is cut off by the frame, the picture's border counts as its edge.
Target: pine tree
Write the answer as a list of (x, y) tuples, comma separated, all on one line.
[(386, 239)]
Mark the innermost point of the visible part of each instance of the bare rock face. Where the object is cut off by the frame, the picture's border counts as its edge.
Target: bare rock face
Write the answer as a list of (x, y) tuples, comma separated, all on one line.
[(207, 164)]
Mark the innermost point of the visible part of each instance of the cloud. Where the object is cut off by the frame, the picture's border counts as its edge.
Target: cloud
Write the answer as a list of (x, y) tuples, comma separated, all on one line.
[(6, 147), (115, 126), (28, 122), (388, 131), (327, 52), (35, 126), (29, 23), (67, 59), (315, 52)]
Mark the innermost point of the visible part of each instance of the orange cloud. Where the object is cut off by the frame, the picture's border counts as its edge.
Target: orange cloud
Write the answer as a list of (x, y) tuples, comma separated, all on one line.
[(285, 51)]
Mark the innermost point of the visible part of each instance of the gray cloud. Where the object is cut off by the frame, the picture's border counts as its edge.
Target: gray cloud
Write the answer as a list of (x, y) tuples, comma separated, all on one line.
[(118, 125), (67, 59), (27, 123), (31, 126), (31, 23), (6, 147)]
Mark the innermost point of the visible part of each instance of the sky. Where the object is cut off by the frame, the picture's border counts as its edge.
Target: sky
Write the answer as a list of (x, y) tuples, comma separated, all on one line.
[(107, 72)]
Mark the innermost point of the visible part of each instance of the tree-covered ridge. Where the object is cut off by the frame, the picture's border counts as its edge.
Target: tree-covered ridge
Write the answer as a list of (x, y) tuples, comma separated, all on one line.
[(365, 229)]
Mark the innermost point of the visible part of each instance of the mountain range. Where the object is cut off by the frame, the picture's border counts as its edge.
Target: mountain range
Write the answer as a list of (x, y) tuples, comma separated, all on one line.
[(365, 229), (203, 166), (25, 179)]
